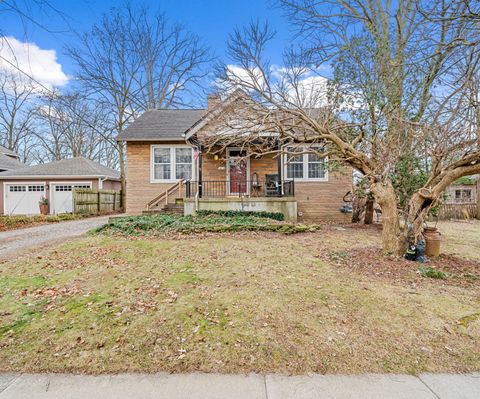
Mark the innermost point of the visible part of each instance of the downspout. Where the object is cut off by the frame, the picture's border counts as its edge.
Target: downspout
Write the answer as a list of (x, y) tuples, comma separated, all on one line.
[(100, 182), (279, 167), (196, 202), (193, 142)]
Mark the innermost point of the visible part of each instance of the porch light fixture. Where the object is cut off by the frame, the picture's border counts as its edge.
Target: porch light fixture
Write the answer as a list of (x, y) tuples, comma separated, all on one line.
[(215, 157)]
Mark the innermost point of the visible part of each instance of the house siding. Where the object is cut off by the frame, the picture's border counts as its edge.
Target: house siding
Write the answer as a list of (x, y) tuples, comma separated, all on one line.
[(321, 201), (139, 189), (112, 185)]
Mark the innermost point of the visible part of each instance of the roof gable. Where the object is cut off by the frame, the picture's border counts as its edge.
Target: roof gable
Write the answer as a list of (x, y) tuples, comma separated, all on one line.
[(215, 112)]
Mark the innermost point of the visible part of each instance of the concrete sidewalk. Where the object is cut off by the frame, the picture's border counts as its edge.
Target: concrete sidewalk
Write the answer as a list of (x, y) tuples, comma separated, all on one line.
[(253, 386)]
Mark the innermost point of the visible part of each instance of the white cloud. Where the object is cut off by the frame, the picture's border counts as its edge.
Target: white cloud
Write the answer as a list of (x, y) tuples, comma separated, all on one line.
[(40, 64)]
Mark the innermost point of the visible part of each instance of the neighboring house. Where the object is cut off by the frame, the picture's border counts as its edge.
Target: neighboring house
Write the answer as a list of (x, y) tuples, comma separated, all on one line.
[(166, 163), (21, 189), (463, 191), (9, 160)]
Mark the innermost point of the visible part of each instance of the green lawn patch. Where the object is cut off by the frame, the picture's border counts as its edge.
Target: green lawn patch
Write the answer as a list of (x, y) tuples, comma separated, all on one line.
[(430, 272)]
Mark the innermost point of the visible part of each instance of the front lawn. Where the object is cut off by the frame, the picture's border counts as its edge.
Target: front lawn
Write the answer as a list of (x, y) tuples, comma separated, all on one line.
[(324, 301)]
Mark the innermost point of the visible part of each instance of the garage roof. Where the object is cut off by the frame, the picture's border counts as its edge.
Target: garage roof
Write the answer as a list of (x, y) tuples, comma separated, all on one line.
[(73, 167), (8, 162), (9, 159), (161, 124), (6, 151)]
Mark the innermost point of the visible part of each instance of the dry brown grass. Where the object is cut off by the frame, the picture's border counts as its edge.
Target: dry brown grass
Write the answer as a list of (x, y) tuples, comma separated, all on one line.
[(245, 302), (462, 238)]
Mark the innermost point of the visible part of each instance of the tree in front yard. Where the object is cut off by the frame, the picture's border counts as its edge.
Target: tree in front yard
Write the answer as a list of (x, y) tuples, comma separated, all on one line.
[(400, 89), (136, 60)]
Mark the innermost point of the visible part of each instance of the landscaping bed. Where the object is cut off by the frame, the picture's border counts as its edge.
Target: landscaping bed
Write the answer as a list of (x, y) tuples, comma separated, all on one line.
[(208, 222)]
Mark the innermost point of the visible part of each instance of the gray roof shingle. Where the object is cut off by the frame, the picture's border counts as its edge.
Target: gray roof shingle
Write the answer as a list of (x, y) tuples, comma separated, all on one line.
[(8, 163), (74, 167), (161, 124), (6, 151)]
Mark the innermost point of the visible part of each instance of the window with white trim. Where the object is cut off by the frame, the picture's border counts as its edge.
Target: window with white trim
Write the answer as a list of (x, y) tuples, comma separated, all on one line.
[(172, 163), (305, 165)]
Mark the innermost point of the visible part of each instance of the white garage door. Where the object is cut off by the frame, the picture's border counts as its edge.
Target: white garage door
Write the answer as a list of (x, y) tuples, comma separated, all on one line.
[(22, 199), (62, 196)]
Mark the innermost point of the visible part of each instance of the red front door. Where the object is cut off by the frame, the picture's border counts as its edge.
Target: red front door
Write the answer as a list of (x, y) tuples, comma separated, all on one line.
[(237, 166)]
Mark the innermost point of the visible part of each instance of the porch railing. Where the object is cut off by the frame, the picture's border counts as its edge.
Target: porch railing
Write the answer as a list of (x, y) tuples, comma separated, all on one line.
[(249, 188), (163, 197)]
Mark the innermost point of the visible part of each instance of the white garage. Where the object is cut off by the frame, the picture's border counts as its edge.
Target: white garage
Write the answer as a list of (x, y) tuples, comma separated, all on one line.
[(23, 199), (21, 189), (62, 199)]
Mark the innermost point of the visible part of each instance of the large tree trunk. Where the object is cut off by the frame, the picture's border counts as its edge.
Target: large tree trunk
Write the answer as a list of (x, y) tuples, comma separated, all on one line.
[(369, 211), (392, 238)]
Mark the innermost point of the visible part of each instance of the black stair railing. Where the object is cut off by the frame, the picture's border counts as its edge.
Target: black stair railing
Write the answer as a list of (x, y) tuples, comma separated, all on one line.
[(248, 188)]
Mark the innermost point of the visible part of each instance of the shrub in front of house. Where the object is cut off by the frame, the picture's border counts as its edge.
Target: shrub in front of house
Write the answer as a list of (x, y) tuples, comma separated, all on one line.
[(213, 223), (260, 214)]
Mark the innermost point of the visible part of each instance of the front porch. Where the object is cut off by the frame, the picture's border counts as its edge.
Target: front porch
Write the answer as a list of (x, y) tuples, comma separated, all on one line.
[(186, 197), (285, 205), (230, 180)]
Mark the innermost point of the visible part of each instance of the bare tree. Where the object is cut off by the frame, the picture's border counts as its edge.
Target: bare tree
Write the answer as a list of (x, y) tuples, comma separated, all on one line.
[(172, 61), (69, 125), (394, 92), (16, 95), (135, 63)]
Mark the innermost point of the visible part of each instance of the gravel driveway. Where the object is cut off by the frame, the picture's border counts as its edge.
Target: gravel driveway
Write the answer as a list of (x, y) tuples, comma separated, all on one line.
[(15, 242)]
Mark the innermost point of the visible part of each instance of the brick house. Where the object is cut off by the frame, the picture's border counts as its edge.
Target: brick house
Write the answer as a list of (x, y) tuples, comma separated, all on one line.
[(168, 169)]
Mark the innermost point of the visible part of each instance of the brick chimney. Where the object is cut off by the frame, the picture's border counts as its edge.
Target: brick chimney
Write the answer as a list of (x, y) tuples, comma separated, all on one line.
[(213, 101)]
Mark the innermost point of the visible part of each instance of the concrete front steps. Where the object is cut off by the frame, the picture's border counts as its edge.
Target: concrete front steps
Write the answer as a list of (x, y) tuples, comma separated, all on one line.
[(176, 208)]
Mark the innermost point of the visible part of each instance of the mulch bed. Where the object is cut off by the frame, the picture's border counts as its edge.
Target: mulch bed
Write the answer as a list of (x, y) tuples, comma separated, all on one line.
[(371, 262)]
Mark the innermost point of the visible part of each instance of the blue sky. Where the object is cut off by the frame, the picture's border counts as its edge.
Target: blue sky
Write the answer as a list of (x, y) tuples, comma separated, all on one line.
[(212, 20)]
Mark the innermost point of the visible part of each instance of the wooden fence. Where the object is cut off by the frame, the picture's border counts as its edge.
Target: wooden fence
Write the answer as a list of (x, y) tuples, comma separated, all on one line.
[(458, 211), (89, 201)]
